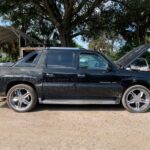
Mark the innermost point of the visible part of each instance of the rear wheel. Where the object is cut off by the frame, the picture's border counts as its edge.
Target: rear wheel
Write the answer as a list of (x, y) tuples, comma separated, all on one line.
[(21, 98), (136, 99)]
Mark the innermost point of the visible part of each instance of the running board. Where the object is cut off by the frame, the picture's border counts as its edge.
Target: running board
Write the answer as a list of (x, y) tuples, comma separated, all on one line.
[(78, 101)]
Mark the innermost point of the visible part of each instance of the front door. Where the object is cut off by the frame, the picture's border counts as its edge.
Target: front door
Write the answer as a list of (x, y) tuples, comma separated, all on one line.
[(95, 79)]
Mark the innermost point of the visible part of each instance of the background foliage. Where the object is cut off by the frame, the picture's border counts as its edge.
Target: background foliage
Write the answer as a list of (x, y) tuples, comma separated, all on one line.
[(111, 26)]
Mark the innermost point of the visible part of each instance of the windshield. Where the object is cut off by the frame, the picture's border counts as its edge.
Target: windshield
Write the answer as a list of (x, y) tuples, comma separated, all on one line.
[(140, 63)]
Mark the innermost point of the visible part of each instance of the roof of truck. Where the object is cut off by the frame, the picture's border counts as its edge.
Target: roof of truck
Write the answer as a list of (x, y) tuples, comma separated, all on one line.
[(68, 49), (64, 48)]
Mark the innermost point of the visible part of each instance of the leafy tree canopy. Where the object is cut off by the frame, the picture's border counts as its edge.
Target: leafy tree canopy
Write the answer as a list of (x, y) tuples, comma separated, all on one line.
[(66, 18), (128, 19), (52, 21)]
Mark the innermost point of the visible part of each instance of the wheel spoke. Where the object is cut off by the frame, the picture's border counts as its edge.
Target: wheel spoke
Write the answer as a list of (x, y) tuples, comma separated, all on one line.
[(140, 94), (26, 102), (137, 104), (131, 101), (18, 92), (144, 101), (133, 94), (19, 104), (26, 95)]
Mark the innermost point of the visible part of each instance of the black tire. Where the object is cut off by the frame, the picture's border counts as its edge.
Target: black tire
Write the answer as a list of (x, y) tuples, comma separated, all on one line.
[(32, 98), (134, 88)]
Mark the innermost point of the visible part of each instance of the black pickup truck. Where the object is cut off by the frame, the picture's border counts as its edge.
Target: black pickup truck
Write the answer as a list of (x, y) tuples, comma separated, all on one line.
[(72, 76)]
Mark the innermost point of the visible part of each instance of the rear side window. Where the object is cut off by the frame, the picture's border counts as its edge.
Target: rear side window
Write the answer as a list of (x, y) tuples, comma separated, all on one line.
[(30, 60), (61, 59)]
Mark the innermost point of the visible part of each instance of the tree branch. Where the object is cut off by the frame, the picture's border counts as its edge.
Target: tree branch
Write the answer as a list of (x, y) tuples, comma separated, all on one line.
[(78, 33), (68, 9), (53, 12), (44, 10), (80, 6), (86, 14)]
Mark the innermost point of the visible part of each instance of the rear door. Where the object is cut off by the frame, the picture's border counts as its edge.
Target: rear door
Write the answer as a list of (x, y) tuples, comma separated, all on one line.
[(60, 75)]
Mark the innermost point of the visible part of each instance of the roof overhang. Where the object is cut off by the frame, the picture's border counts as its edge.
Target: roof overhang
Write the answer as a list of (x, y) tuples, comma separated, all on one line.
[(8, 34)]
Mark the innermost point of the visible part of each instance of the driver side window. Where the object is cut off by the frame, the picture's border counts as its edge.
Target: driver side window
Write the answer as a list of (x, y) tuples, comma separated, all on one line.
[(92, 62)]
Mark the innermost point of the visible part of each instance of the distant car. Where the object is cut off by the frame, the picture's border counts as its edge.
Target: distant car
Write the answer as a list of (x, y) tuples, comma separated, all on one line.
[(140, 64), (74, 76), (133, 61)]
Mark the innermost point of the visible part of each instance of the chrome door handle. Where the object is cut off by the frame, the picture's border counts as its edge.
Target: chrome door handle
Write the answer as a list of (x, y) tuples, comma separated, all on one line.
[(81, 75), (50, 75)]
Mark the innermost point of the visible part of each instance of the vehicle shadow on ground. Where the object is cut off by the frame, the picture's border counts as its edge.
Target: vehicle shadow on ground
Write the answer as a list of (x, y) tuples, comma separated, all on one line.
[(63, 107), (3, 104), (79, 108), (54, 107)]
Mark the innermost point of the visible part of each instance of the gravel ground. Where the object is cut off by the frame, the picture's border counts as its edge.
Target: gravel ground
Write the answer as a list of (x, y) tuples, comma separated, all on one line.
[(53, 127)]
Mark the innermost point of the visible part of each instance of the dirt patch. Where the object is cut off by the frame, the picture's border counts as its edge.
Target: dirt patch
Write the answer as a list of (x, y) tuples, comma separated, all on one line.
[(54, 127)]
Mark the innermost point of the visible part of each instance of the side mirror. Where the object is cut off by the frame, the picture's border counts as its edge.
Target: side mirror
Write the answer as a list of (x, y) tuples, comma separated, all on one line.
[(109, 68), (128, 68)]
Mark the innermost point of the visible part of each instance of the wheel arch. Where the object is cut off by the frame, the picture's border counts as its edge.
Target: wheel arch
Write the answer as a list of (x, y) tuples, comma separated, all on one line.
[(131, 82), (145, 84), (11, 84)]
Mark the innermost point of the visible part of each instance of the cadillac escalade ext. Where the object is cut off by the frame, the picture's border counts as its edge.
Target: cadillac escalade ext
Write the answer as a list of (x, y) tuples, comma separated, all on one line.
[(73, 76)]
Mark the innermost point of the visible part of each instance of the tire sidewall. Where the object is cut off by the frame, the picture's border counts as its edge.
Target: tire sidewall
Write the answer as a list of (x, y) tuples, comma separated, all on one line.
[(124, 99), (33, 97)]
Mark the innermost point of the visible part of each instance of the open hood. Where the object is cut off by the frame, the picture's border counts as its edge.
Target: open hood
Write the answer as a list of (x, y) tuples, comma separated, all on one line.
[(132, 55)]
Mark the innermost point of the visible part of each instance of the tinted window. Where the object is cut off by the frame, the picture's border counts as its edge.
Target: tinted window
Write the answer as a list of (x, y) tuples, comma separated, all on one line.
[(139, 63), (60, 59), (92, 61), (29, 60)]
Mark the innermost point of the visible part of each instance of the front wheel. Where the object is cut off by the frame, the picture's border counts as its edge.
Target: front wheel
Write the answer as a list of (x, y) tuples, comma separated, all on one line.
[(136, 99), (21, 98)]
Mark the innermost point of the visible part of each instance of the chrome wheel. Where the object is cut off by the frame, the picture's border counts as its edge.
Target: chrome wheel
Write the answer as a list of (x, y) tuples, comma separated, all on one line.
[(136, 99), (20, 99)]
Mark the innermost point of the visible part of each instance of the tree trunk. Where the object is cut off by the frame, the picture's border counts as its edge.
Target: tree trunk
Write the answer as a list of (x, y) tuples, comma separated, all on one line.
[(65, 38)]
